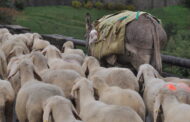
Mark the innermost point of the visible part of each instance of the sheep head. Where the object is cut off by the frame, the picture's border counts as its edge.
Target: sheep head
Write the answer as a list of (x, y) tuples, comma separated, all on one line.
[(25, 66), (58, 103), (68, 44), (79, 83), (51, 52), (89, 63)]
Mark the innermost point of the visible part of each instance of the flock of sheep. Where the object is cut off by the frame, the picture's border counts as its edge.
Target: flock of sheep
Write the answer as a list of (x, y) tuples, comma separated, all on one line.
[(42, 83)]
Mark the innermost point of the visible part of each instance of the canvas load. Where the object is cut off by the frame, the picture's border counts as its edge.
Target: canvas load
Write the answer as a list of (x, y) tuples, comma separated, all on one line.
[(111, 33)]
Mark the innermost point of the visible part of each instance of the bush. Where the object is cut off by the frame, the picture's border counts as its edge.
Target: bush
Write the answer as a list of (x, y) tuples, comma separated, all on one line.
[(109, 6), (187, 3), (76, 4), (130, 7), (99, 5), (119, 6), (7, 15), (88, 5), (19, 4)]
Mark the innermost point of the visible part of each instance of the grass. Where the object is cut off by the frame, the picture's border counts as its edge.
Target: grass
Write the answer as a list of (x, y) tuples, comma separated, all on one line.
[(58, 19)]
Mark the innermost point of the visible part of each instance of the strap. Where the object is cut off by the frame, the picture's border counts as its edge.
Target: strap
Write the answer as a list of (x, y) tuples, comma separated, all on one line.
[(137, 15)]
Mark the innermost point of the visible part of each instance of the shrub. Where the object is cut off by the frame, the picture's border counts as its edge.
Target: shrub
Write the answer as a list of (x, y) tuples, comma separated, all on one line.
[(19, 4), (76, 4), (109, 6), (130, 7), (119, 6), (99, 5), (7, 15), (187, 3), (88, 5)]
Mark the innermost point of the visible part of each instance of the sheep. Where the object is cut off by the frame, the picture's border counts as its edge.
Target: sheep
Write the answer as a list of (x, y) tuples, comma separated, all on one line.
[(114, 76), (7, 97), (117, 96), (61, 110), (55, 60), (40, 44), (73, 58), (68, 48), (3, 65), (15, 79), (61, 77), (4, 35), (14, 48), (33, 94), (177, 80), (151, 86), (96, 111), (167, 103)]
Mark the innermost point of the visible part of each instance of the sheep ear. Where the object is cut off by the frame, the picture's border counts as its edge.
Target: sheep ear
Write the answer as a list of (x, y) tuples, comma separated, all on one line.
[(85, 68), (59, 54), (3, 69), (74, 111), (44, 51), (140, 80), (47, 111), (63, 48), (10, 53), (36, 75), (74, 90), (13, 71), (157, 108), (156, 74)]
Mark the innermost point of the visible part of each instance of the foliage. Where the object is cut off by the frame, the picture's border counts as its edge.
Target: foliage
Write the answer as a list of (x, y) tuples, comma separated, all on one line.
[(119, 6), (76, 4), (187, 3), (88, 5), (99, 5), (6, 3), (109, 6), (131, 7), (7, 15), (19, 4)]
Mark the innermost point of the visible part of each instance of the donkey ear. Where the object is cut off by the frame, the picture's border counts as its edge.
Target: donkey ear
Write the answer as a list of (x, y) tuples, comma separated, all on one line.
[(157, 108)]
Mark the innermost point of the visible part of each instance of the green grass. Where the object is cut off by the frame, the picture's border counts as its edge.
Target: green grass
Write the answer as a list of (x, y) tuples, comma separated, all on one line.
[(58, 19)]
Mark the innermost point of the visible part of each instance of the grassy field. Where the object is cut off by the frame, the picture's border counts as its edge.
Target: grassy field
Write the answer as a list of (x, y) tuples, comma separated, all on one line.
[(58, 19), (70, 22)]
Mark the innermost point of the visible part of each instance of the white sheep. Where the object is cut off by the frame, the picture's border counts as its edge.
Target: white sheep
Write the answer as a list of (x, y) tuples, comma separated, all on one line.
[(33, 94), (55, 60), (117, 96), (68, 48), (40, 44), (61, 110), (61, 77), (114, 76), (96, 111)]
